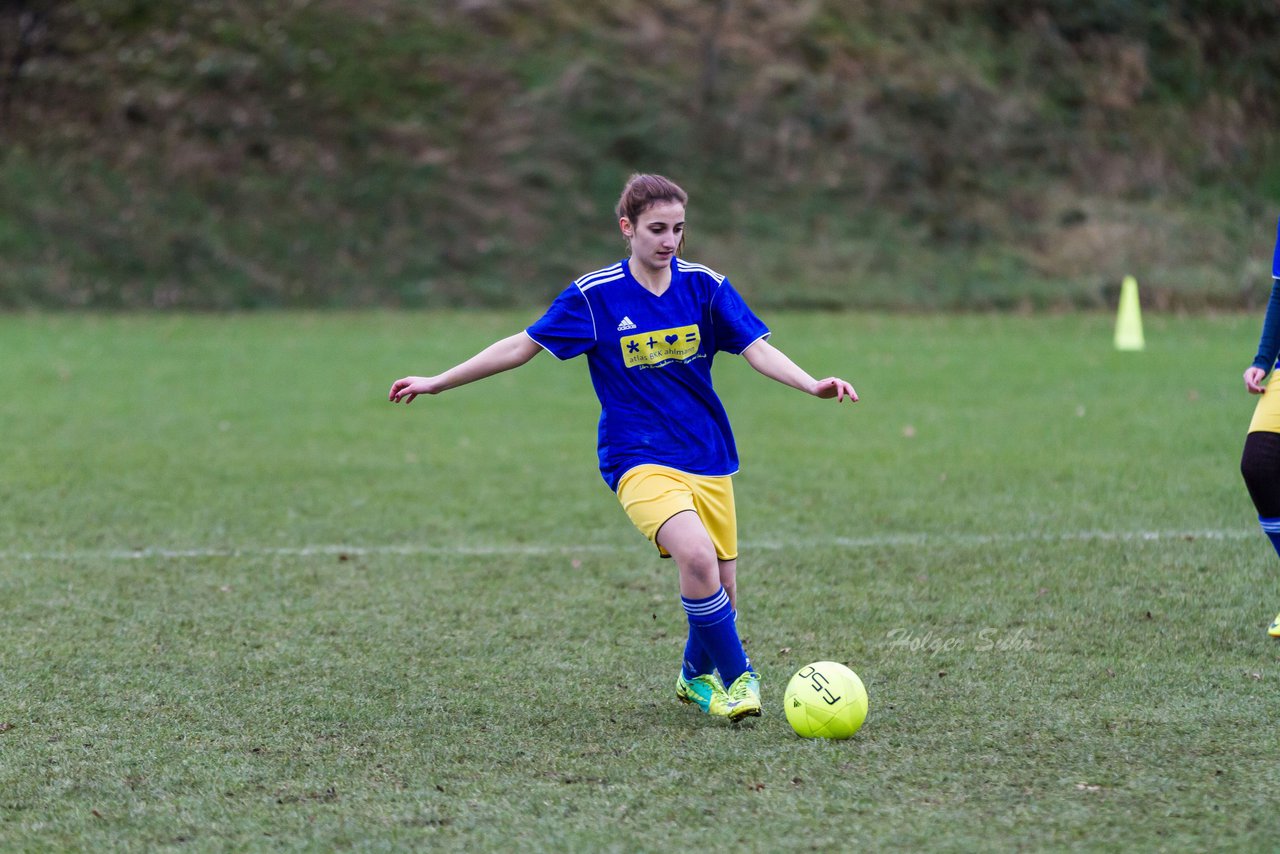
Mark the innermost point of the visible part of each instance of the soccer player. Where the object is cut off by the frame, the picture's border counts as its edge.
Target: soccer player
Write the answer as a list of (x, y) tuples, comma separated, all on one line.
[(1260, 462), (650, 326)]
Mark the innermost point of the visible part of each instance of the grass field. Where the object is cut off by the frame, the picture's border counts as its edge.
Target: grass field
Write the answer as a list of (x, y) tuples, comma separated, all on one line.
[(245, 603)]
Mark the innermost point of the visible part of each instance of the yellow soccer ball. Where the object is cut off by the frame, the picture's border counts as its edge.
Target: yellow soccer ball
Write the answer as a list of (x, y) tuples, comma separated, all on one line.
[(825, 700)]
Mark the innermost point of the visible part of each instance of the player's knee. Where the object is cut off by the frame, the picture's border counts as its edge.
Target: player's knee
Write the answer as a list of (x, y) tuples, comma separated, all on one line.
[(700, 566)]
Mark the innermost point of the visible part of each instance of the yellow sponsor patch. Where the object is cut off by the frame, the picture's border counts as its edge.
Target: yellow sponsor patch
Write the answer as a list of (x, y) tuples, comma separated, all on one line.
[(663, 345)]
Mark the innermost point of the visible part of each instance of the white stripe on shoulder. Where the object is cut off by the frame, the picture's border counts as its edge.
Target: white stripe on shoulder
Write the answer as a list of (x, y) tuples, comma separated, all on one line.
[(608, 274), (689, 267), (589, 285)]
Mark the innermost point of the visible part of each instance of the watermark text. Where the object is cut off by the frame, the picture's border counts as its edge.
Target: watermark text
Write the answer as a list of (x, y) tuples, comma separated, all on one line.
[(932, 644)]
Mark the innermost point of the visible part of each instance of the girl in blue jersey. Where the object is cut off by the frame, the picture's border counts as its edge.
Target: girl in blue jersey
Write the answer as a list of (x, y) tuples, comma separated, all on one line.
[(650, 326), (1260, 461)]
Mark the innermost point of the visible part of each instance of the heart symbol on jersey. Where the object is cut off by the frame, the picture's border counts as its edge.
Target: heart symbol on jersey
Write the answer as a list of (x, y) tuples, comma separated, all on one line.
[(671, 339)]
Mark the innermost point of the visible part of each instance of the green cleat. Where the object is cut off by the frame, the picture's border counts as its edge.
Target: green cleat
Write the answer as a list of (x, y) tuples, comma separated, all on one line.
[(1274, 631), (744, 696), (707, 692)]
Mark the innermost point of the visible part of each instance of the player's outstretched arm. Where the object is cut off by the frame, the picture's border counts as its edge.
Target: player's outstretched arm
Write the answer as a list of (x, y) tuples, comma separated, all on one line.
[(499, 356), (776, 365)]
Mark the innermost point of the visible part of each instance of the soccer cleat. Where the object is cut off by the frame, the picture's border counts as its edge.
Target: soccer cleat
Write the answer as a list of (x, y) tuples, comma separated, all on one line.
[(744, 695), (1274, 631), (707, 692)]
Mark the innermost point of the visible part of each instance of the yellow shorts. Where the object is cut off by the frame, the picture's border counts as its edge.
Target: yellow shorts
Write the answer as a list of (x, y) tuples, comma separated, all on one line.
[(1266, 415), (652, 494)]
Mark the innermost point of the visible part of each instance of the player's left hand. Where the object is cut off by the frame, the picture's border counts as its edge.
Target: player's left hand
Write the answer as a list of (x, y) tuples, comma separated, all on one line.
[(835, 387), (1253, 378)]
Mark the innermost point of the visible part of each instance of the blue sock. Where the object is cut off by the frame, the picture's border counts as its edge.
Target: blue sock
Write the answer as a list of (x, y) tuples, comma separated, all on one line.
[(1271, 527), (712, 624), (697, 661)]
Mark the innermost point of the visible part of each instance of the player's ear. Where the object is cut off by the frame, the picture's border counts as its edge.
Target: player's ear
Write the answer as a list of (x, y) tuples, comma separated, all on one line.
[(624, 225)]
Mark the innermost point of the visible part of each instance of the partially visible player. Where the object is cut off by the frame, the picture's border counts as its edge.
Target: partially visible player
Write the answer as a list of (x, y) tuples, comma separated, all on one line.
[(650, 326), (1260, 462)]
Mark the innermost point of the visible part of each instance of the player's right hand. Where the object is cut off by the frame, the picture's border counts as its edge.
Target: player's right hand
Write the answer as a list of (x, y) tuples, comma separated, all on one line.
[(407, 388), (1253, 377)]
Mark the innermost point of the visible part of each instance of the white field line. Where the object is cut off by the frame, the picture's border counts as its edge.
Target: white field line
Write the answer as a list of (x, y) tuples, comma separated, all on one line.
[(534, 549)]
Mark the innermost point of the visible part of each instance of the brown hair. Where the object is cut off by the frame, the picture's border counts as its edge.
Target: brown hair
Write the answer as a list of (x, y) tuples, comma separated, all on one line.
[(643, 191)]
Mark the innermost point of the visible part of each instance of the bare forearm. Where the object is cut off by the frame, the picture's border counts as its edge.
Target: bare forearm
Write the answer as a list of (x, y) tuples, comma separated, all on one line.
[(499, 356), (777, 365)]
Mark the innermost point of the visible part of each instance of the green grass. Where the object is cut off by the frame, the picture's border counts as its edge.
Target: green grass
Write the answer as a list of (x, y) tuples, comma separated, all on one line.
[(247, 604)]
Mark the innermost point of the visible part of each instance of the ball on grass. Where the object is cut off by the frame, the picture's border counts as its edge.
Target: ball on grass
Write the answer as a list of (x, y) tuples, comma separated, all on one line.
[(825, 700)]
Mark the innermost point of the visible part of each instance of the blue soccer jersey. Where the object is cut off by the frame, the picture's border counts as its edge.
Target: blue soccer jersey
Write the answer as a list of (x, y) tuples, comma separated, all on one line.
[(650, 361)]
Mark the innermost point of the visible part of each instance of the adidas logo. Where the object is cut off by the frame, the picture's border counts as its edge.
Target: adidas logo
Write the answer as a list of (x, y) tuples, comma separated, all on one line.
[(626, 324)]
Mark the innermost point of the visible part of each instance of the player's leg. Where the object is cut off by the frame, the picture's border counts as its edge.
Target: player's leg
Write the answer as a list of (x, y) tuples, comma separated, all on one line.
[(713, 499), (711, 616), (697, 660), (684, 539), (1260, 467), (706, 602), (749, 681), (651, 495)]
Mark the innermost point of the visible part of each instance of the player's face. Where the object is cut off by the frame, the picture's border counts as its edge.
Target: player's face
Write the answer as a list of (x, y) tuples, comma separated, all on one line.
[(656, 234)]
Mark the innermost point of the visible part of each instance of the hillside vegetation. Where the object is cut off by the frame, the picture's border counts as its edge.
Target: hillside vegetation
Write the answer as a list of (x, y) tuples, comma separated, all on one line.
[(911, 154)]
